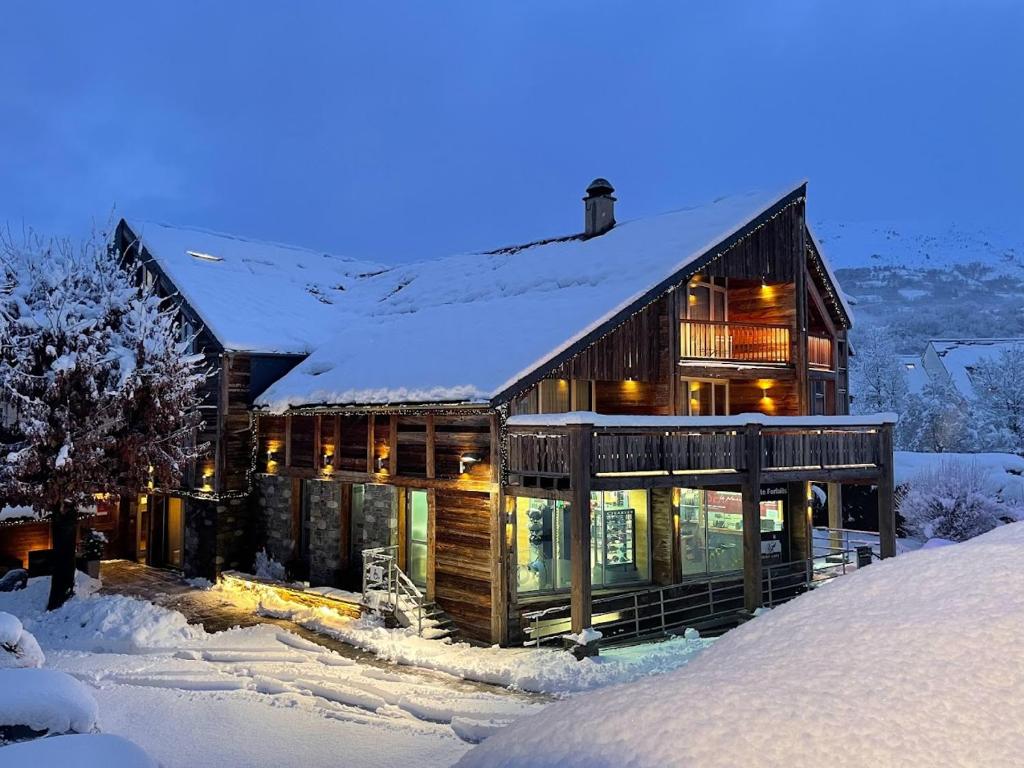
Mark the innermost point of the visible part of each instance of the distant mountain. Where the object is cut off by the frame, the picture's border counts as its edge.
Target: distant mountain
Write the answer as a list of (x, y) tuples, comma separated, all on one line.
[(928, 282)]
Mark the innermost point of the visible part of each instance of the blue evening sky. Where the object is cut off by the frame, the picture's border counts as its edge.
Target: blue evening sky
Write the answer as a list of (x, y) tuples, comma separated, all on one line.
[(394, 130)]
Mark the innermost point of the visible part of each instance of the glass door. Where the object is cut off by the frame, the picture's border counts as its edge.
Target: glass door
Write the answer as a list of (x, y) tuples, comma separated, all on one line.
[(417, 511), (175, 532)]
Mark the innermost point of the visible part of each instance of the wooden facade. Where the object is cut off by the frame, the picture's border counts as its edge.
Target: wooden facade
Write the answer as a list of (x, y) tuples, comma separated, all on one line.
[(781, 350)]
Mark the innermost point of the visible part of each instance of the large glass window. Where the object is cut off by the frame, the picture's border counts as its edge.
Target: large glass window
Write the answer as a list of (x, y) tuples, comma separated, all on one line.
[(416, 526), (556, 396), (620, 541), (706, 398), (711, 529)]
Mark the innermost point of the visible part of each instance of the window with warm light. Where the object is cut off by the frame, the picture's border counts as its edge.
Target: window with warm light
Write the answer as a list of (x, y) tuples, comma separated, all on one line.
[(711, 529), (706, 398)]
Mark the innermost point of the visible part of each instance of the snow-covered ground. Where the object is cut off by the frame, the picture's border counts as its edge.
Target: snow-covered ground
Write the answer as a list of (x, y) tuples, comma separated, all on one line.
[(915, 661), (264, 696)]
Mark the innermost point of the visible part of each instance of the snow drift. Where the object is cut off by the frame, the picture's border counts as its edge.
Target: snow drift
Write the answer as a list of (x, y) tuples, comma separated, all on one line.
[(915, 661)]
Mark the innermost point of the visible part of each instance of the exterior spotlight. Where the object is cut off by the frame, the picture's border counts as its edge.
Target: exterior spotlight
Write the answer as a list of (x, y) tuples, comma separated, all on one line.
[(382, 461), (328, 460), (466, 461)]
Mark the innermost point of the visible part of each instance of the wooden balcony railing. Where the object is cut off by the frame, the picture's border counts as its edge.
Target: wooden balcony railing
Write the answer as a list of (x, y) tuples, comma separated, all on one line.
[(819, 352), (786, 445), (734, 342)]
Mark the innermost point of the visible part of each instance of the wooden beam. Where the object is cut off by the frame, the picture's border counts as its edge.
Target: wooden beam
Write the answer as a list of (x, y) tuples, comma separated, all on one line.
[(638, 482), (431, 541), (317, 442), (514, 491), (502, 512), (725, 372), (835, 512), (393, 444), (674, 350), (431, 446), (580, 438), (886, 491), (751, 489), (800, 339), (336, 438), (288, 441), (495, 457), (371, 467), (220, 458), (851, 475)]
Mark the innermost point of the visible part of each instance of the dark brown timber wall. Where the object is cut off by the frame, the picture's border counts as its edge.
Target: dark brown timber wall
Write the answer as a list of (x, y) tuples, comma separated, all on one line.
[(462, 560)]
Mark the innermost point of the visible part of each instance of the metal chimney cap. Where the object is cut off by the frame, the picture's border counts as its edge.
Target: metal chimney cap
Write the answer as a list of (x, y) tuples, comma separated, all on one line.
[(599, 186)]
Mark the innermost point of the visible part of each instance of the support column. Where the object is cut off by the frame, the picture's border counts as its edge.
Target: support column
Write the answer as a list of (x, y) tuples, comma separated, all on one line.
[(752, 589), (835, 514), (580, 438), (886, 490), (800, 287)]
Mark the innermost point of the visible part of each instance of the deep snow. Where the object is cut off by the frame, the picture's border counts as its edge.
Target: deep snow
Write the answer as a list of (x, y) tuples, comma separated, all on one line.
[(915, 661)]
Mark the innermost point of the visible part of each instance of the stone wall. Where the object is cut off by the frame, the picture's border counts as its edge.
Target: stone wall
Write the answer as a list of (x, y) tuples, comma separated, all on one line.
[(324, 532), (219, 536), (379, 524), (273, 496)]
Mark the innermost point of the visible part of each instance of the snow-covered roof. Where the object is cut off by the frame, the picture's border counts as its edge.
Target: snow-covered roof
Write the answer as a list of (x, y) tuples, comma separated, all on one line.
[(916, 375), (959, 356), (467, 327), (254, 296)]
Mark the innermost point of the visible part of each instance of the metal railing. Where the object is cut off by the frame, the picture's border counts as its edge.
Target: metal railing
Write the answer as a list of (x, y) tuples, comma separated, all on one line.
[(741, 342), (387, 588), (658, 610)]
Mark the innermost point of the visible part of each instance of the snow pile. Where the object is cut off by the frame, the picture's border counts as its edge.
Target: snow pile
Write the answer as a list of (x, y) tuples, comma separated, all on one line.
[(83, 751), (113, 624), (268, 568), (97, 623), (45, 700), (528, 669), (18, 648), (915, 661)]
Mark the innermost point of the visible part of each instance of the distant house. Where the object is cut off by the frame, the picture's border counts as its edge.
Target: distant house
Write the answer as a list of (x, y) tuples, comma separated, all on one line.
[(950, 362)]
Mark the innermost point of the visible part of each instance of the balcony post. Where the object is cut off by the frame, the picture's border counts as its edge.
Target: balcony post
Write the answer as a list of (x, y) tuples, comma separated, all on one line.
[(886, 489), (580, 441), (752, 596)]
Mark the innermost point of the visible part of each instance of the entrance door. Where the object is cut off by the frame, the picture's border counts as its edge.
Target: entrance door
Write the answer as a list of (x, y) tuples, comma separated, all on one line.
[(174, 533), (142, 529), (417, 511)]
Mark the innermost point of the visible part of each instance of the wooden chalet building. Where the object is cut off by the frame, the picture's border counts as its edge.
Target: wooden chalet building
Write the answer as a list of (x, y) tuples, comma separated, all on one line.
[(636, 412)]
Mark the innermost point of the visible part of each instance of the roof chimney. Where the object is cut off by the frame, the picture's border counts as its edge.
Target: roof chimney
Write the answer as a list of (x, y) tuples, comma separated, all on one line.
[(599, 208)]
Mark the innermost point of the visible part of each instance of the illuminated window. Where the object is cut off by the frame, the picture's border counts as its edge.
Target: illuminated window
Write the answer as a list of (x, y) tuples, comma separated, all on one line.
[(619, 535), (711, 529), (706, 398)]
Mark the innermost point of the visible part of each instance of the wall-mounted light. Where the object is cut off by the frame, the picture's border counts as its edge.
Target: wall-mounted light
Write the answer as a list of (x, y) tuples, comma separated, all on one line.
[(271, 455), (208, 479), (382, 462), (466, 461), (328, 460)]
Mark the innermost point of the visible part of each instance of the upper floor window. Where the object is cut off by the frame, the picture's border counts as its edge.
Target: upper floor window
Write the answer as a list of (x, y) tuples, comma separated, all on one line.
[(706, 299), (556, 396), (706, 398)]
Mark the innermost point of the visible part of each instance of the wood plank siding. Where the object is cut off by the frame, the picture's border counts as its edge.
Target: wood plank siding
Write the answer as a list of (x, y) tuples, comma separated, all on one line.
[(462, 559)]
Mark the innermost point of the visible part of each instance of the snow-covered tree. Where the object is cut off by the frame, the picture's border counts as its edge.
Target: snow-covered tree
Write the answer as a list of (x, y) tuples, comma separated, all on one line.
[(99, 394), (999, 406), (936, 421), (876, 376), (950, 501)]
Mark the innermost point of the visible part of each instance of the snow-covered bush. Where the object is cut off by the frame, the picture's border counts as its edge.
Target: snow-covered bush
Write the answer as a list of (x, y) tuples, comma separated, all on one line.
[(18, 648), (267, 567), (98, 390), (950, 501), (45, 701)]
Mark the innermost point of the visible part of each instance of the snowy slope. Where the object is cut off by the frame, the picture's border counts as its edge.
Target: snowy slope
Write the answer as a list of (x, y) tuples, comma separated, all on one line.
[(929, 280), (915, 661)]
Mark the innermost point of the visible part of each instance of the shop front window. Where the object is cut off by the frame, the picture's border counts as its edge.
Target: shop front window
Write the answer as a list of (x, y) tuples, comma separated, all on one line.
[(711, 529), (620, 542)]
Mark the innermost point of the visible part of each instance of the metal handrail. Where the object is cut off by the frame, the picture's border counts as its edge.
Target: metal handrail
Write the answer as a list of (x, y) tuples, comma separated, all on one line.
[(380, 569)]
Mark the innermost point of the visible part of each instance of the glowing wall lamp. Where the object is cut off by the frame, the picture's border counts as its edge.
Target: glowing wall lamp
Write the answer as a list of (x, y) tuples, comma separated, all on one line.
[(466, 461), (382, 462), (328, 460)]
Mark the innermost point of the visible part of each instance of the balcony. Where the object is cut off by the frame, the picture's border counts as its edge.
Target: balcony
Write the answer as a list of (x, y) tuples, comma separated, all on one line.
[(788, 447), (734, 342)]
